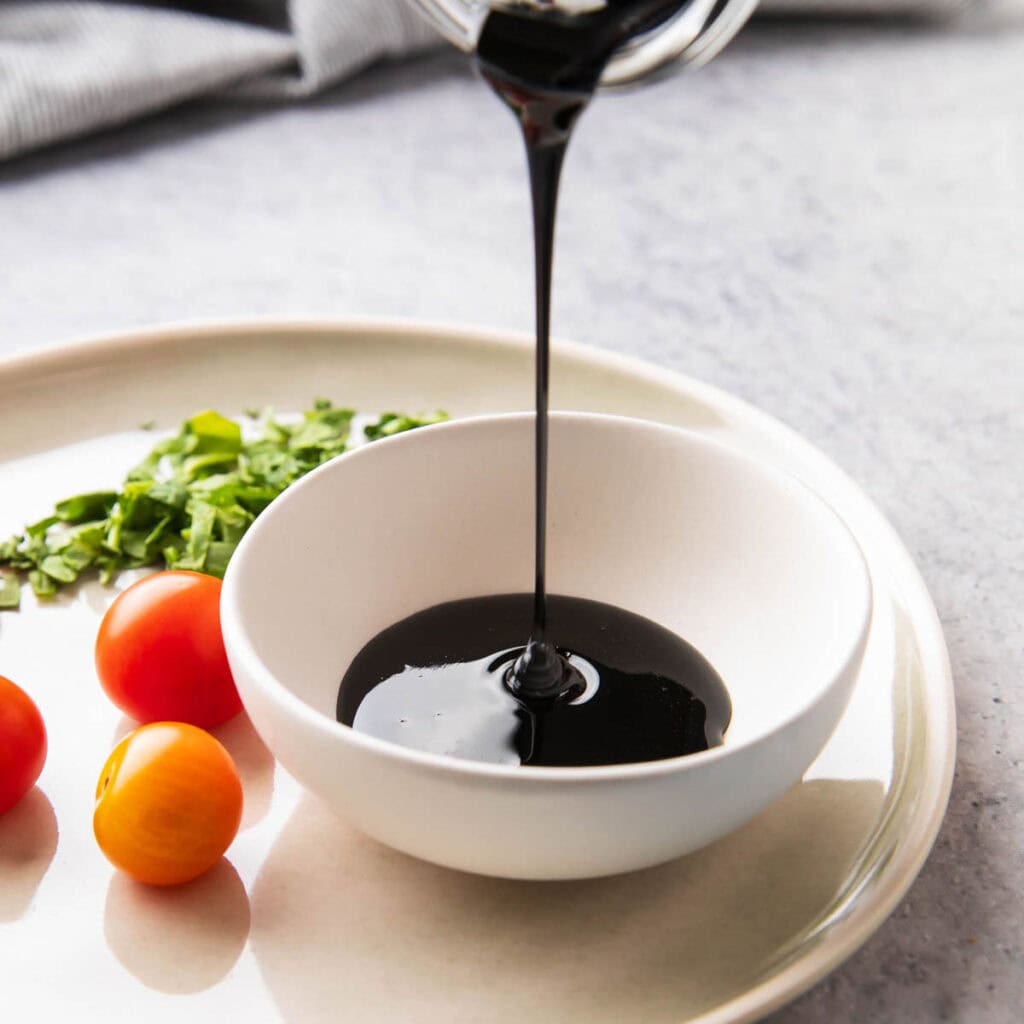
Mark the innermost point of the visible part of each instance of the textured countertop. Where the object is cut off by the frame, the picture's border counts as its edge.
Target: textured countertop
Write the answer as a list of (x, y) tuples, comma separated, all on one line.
[(828, 221)]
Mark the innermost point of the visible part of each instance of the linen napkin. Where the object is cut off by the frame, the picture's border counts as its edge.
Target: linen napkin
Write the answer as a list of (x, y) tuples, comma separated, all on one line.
[(67, 69)]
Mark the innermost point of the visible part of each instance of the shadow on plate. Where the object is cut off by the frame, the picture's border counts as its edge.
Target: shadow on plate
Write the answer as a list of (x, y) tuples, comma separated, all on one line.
[(255, 765), (28, 841), (182, 938), (343, 927)]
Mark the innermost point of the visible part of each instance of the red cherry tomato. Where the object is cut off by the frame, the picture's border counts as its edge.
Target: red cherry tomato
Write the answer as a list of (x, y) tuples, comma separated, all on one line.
[(22, 744), (160, 654)]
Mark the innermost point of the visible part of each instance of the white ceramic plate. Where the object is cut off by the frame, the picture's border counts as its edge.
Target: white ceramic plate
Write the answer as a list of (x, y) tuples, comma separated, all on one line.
[(307, 921)]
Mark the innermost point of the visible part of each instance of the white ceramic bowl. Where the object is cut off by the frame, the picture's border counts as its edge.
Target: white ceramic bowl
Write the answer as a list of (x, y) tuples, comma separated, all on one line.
[(743, 561)]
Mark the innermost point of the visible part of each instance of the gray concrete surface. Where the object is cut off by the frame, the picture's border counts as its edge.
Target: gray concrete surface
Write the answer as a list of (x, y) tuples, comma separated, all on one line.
[(828, 221)]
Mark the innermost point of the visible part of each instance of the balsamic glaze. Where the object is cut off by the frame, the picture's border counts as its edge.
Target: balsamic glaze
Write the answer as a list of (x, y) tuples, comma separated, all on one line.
[(456, 679), (645, 694)]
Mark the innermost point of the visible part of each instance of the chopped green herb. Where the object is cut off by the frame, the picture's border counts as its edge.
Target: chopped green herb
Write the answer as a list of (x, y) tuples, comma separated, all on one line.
[(187, 504), (10, 590), (85, 507), (391, 423)]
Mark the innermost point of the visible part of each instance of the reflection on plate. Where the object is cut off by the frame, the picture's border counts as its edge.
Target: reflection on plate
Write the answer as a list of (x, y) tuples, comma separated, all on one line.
[(336, 926)]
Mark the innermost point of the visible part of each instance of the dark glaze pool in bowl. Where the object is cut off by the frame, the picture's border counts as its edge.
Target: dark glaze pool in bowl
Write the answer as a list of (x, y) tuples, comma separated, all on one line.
[(439, 681)]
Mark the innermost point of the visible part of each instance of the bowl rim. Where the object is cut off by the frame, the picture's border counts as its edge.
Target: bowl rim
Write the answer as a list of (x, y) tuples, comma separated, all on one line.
[(239, 642)]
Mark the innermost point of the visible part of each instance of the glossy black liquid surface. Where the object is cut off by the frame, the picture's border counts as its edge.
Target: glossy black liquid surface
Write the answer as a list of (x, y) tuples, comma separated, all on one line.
[(436, 682)]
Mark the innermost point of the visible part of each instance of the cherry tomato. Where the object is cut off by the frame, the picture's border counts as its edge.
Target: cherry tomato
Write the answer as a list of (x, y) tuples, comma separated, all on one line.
[(22, 744), (168, 803), (160, 654)]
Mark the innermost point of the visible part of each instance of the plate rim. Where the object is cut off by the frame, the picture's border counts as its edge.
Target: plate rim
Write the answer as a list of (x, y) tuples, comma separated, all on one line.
[(846, 933)]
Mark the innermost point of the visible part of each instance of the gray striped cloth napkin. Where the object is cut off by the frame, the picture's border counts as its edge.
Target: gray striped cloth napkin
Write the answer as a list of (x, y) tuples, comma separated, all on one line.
[(67, 69)]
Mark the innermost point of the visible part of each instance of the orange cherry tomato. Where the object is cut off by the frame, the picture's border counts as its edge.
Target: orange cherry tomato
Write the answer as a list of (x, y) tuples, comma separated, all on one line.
[(160, 654), (168, 803), (22, 743)]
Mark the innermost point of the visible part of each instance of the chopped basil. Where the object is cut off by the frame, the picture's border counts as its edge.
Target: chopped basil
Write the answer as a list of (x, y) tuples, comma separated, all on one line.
[(187, 504), (10, 590)]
